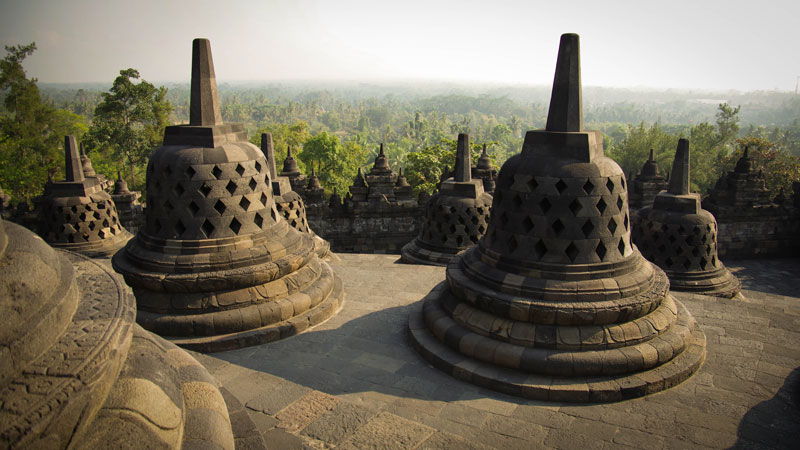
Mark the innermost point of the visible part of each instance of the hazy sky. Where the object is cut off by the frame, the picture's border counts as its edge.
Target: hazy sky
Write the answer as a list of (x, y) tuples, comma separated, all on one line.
[(729, 44)]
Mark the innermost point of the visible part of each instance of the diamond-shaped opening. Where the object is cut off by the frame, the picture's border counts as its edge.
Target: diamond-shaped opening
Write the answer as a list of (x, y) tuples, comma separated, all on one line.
[(703, 263), (474, 220), (253, 183), (708, 249), (193, 208), (558, 227), (92, 225), (452, 228), (682, 230), (258, 220), (622, 182), (263, 199), (708, 227), (620, 203), (588, 187), (481, 229), (503, 219), (101, 205), (258, 167), (704, 239), (696, 252), (239, 169), (96, 215), (672, 238), (479, 209), (612, 225), (207, 228), (533, 184), (687, 264), (512, 243), (561, 186), (459, 240), (179, 228), (527, 224), (220, 207), (679, 250), (88, 207), (600, 250), (571, 251), (113, 230), (205, 189), (460, 220), (610, 185), (231, 187), (82, 216), (621, 247), (178, 190), (273, 214), (625, 222), (575, 207), (167, 206), (601, 205), (167, 171), (587, 227), (713, 260), (517, 201), (244, 203), (669, 262), (235, 225), (540, 249), (189, 172), (696, 230), (74, 209), (545, 205), (105, 223), (216, 171)]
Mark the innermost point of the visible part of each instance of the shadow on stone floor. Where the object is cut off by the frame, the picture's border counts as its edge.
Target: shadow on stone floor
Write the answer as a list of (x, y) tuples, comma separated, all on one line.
[(370, 353), (774, 423), (775, 275)]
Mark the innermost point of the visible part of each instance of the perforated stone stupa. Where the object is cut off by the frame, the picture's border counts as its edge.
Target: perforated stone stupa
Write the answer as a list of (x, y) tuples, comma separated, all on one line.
[(77, 214), (647, 184), (456, 217), (554, 303), (215, 266), (678, 235), (76, 370), (288, 202)]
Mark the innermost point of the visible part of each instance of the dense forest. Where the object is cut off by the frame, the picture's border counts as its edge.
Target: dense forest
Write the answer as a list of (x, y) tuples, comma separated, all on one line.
[(338, 127)]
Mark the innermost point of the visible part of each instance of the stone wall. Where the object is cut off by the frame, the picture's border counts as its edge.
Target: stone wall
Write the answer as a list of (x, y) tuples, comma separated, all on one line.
[(763, 231), (366, 227)]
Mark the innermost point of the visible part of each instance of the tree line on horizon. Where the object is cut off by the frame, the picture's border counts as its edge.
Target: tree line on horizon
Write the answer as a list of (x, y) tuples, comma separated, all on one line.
[(338, 131)]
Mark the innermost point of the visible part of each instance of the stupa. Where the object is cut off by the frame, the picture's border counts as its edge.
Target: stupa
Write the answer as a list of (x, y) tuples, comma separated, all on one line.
[(77, 214), (554, 303), (215, 266), (76, 370), (292, 171), (131, 213), (288, 202), (647, 184), (485, 171), (679, 236), (456, 217)]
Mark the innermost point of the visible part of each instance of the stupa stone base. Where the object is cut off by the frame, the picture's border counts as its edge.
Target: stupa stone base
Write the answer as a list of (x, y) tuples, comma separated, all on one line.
[(264, 322), (716, 283), (415, 253), (565, 372)]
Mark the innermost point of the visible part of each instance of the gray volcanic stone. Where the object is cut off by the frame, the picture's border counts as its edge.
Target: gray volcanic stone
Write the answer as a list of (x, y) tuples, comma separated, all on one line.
[(77, 214), (79, 373), (289, 203), (456, 217), (554, 302), (215, 266), (680, 237)]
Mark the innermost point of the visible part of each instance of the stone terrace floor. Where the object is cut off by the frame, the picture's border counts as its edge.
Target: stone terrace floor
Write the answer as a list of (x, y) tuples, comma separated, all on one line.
[(355, 382)]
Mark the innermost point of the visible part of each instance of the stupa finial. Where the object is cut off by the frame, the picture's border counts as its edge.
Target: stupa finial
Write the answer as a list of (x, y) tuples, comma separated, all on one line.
[(204, 104), (269, 153), (463, 160), (566, 106), (74, 168), (679, 179)]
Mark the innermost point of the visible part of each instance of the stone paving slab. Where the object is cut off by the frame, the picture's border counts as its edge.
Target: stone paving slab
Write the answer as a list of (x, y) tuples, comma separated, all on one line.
[(355, 382)]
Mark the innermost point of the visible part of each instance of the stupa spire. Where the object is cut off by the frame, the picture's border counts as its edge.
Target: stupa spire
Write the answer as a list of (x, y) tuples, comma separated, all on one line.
[(204, 104), (462, 169), (566, 106), (679, 180), (74, 168), (269, 153)]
